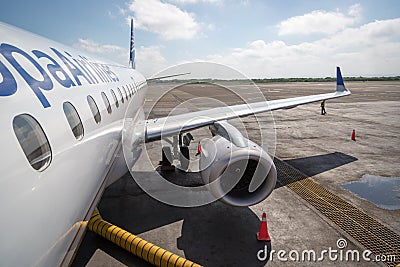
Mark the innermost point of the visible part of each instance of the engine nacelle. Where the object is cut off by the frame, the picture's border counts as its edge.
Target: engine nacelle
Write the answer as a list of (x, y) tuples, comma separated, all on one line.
[(236, 169)]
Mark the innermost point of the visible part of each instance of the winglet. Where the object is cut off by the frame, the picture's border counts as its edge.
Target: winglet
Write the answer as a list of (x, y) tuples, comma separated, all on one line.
[(339, 81), (132, 62)]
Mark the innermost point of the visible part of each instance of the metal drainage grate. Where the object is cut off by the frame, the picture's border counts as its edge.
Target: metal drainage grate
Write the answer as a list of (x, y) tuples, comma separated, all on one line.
[(365, 229)]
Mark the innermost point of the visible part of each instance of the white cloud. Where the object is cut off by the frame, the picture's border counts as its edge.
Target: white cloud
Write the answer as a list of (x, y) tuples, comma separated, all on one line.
[(165, 19), (93, 47), (113, 52), (355, 10), (184, 2), (110, 15), (117, 12), (149, 60), (371, 49), (211, 27), (320, 21)]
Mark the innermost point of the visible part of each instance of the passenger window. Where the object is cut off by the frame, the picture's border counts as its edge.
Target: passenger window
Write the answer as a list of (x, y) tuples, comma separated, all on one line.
[(126, 94), (120, 95), (33, 141), (94, 109), (115, 98), (74, 120), (106, 102)]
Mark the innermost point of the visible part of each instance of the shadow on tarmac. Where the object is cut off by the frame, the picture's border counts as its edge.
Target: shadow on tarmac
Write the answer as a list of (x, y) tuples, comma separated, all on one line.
[(213, 235), (314, 165), (321, 163)]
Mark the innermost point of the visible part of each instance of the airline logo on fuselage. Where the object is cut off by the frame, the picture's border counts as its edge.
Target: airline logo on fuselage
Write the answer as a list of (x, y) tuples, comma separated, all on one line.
[(71, 72)]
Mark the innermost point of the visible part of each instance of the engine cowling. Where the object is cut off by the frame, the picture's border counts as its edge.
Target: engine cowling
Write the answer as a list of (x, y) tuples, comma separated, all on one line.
[(237, 170)]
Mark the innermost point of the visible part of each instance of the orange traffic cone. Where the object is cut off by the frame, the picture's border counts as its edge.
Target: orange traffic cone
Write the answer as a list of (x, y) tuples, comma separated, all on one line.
[(198, 149), (263, 234), (353, 135)]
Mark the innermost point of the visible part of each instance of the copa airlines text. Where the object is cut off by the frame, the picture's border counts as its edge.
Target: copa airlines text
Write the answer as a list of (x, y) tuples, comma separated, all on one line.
[(79, 67)]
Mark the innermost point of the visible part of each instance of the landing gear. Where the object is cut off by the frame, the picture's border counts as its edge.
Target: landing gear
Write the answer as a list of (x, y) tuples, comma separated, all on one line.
[(180, 148), (184, 158), (165, 162)]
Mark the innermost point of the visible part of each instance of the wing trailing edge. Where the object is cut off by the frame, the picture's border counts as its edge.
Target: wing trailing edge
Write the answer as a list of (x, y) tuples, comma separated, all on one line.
[(168, 126)]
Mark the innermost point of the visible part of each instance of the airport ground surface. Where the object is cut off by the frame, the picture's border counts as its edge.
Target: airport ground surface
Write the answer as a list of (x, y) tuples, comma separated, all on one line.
[(318, 146)]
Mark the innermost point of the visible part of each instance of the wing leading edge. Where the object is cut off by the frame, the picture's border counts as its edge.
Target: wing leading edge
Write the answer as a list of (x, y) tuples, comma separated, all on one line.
[(168, 126)]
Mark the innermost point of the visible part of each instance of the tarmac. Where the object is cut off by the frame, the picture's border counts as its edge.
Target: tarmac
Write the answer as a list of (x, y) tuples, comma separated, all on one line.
[(319, 147)]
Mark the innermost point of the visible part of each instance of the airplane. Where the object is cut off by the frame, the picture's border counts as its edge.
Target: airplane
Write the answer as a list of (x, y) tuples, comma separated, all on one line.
[(61, 127)]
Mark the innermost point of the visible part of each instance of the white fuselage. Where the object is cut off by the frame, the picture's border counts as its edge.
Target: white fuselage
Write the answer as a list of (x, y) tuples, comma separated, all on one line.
[(43, 212)]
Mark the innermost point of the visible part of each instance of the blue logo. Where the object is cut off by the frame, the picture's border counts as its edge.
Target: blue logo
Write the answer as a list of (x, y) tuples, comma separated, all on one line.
[(71, 72)]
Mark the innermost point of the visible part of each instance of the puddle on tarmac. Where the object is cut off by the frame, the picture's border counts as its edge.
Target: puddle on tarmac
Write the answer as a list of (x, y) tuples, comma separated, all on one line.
[(384, 192)]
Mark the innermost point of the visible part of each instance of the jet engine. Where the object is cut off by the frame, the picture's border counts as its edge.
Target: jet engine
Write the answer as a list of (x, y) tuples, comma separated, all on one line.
[(236, 169)]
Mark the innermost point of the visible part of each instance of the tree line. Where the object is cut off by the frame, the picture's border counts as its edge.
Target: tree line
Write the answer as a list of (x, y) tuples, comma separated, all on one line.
[(326, 79)]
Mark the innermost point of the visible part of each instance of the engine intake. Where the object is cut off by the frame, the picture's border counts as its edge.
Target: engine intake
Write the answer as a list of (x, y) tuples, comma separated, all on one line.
[(236, 169)]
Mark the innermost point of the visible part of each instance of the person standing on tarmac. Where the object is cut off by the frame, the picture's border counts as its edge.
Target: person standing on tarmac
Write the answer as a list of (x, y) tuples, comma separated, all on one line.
[(323, 111)]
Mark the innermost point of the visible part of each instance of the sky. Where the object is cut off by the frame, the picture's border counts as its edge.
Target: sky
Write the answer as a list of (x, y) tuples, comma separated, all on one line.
[(261, 39)]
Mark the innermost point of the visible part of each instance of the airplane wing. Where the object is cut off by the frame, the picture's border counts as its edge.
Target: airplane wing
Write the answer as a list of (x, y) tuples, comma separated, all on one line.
[(168, 126)]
